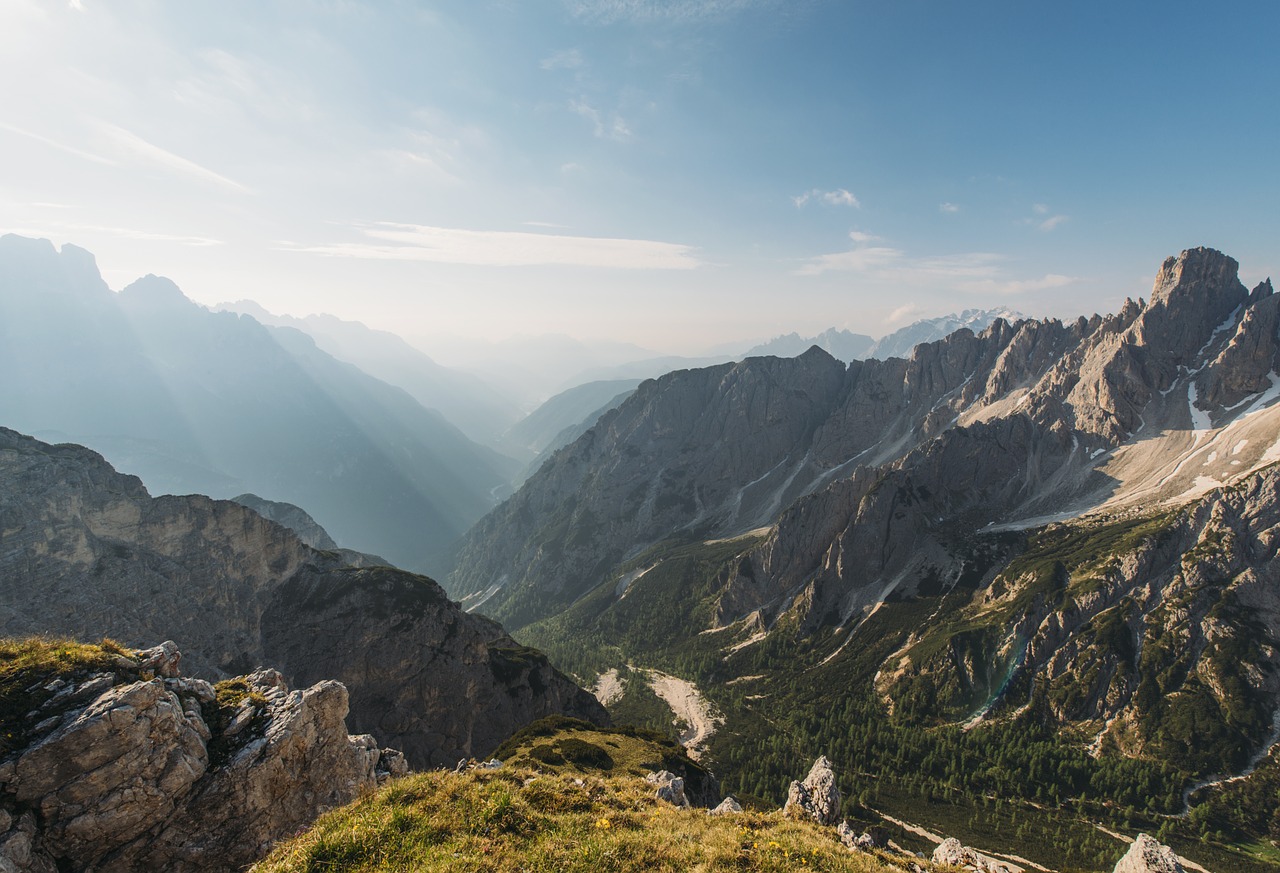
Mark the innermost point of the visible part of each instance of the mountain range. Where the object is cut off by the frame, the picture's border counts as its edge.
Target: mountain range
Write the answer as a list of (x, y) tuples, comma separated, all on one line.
[(195, 401), (1043, 529)]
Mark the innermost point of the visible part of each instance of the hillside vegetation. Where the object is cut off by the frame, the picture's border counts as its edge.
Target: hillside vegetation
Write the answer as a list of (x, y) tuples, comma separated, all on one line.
[(521, 820)]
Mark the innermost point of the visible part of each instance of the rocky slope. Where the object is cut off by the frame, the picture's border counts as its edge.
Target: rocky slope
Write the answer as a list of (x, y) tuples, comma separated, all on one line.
[(213, 403), (123, 764), (865, 472), (1046, 548), (85, 550)]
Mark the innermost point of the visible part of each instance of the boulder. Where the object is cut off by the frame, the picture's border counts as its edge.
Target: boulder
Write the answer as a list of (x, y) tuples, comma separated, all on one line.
[(670, 788), (952, 852), (1146, 855), (817, 797), (728, 806)]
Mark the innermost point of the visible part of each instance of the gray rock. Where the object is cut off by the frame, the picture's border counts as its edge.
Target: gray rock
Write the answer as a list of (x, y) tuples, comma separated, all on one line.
[(670, 788), (817, 797), (125, 783), (1147, 855), (728, 806), (952, 852), (161, 660)]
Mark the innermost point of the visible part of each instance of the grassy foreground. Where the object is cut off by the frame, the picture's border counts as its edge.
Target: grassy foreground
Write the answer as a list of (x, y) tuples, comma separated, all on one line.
[(524, 821)]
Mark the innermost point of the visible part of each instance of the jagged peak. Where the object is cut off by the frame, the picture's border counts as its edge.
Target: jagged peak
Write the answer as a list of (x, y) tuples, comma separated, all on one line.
[(1193, 267)]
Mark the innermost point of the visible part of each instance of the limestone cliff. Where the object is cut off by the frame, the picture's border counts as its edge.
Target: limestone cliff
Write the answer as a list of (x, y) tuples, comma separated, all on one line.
[(123, 764), (868, 475), (85, 551)]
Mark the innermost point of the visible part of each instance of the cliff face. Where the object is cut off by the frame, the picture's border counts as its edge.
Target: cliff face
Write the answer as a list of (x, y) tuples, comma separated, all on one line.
[(125, 765), (85, 551), (868, 476)]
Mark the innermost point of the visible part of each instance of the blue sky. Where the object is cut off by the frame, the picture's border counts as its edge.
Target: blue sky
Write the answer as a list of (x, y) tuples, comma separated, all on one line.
[(675, 173)]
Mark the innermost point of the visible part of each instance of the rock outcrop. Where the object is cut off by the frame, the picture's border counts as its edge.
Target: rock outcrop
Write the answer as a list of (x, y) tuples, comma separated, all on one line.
[(950, 851), (85, 551), (670, 788), (817, 797), (1147, 855), (124, 769)]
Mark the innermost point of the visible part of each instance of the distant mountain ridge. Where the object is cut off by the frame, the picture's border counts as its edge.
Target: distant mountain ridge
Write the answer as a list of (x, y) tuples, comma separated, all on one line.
[(216, 403), (900, 343), (846, 346), (842, 345), (465, 400)]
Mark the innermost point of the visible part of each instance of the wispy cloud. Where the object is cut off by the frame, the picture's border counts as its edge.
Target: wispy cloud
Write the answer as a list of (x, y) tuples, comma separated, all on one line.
[(615, 129), (904, 312), (838, 197), (606, 11), (569, 59), (448, 245), (1042, 220), (62, 147), (152, 153), (59, 228), (968, 272), (949, 208)]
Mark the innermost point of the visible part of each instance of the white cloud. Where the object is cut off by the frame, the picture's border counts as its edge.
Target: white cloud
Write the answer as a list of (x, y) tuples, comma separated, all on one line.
[(1039, 209), (903, 313), (60, 228), (569, 59), (447, 245), (605, 11), (838, 197), (861, 237), (1050, 223), (950, 208), (156, 155), (858, 259), (968, 272), (615, 129)]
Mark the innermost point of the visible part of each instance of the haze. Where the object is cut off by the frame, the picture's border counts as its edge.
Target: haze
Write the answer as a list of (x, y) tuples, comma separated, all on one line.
[(672, 173)]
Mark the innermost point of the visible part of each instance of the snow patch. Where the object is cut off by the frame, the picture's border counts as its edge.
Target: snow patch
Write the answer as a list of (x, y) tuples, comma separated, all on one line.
[(1200, 422)]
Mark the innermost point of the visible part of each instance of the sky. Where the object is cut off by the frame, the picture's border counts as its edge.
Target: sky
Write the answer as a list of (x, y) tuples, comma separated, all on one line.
[(674, 173)]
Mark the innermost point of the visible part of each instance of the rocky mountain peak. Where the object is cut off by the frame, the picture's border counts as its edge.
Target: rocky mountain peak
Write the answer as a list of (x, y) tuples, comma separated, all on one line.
[(1198, 267)]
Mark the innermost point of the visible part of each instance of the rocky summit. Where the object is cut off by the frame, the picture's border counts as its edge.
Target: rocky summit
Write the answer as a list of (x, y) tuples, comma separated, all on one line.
[(124, 764), (86, 551)]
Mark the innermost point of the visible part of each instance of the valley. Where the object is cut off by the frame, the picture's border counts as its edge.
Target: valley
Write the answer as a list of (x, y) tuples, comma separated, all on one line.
[(1033, 565)]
